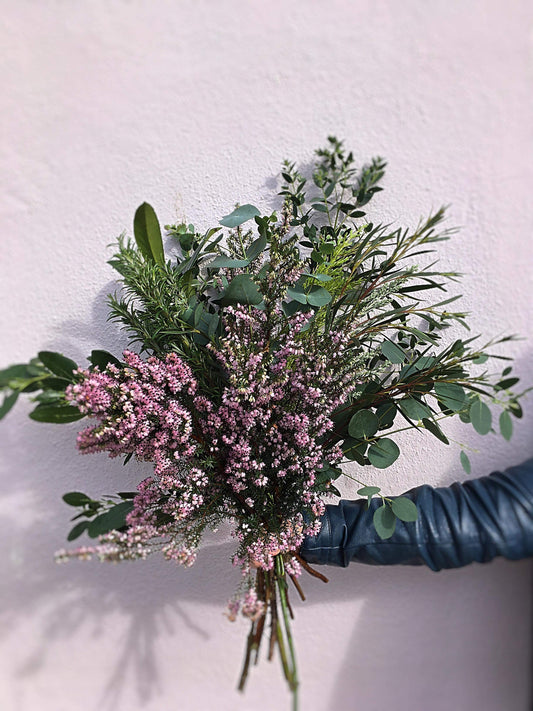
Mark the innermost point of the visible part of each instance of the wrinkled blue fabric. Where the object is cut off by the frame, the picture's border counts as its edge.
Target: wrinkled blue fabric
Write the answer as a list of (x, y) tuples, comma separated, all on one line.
[(475, 520)]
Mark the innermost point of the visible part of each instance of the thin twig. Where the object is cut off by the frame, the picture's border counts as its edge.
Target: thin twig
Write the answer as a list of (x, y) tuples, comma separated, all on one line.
[(305, 565)]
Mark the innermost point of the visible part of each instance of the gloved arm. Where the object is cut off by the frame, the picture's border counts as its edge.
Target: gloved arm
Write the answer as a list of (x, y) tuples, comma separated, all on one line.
[(457, 525)]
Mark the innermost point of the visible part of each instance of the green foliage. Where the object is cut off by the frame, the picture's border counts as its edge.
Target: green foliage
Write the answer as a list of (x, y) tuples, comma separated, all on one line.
[(322, 255), (239, 216), (384, 521), (148, 234)]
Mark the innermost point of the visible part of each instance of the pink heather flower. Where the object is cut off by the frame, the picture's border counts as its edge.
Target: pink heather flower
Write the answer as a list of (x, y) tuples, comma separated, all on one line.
[(252, 608)]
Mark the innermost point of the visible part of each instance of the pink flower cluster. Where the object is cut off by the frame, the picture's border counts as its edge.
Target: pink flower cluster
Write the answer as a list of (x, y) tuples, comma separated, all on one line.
[(268, 430), (252, 456), (138, 409)]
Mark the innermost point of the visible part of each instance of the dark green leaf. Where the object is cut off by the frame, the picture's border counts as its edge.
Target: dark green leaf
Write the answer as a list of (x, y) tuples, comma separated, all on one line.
[(148, 234), (255, 249), (127, 494), (239, 216), (57, 384), (242, 290), (76, 498), (506, 384), (21, 370), (354, 450), (363, 424), (515, 409), (465, 461), (57, 414), (383, 453), (392, 352), (58, 364), (78, 529), (7, 404), (102, 359), (506, 425), (451, 395), (414, 409), (384, 521), (111, 520), (480, 417), (404, 509), (386, 413), (435, 430)]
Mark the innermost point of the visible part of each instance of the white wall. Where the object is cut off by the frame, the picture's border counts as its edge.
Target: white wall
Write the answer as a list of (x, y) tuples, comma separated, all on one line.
[(191, 105)]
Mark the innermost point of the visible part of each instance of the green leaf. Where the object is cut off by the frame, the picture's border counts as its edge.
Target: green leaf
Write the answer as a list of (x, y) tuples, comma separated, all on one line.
[(76, 498), (404, 509), (20, 370), (363, 424), (239, 216), (225, 261), (480, 416), (383, 453), (255, 249), (414, 409), (242, 290), (483, 358), (318, 296), (354, 450), (465, 462), (393, 352), (7, 404), (58, 364), (384, 521), (111, 520), (78, 529), (296, 293), (102, 359), (506, 384), (506, 425), (57, 384), (435, 430), (451, 395), (368, 490), (515, 409), (386, 413), (148, 234), (57, 414), (318, 276)]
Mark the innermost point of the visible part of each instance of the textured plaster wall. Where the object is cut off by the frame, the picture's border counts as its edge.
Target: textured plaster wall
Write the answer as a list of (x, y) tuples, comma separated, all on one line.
[(192, 105)]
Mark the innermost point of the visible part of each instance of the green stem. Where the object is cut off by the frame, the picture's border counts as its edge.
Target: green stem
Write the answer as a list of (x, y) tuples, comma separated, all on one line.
[(292, 677)]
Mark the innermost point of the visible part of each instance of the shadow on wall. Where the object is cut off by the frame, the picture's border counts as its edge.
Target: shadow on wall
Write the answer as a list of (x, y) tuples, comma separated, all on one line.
[(407, 628)]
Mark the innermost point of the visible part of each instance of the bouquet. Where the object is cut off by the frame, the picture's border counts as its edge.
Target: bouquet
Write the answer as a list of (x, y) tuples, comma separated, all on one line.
[(260, 358)]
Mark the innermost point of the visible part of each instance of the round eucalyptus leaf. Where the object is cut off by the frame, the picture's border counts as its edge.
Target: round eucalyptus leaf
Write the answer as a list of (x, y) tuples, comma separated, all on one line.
[(383, 453), (384, 521), (363, 424), (404, 509), (451, 395)]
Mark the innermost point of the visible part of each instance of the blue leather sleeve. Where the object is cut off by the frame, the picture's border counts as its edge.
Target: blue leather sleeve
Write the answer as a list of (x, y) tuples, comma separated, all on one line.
[(457, 525)]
